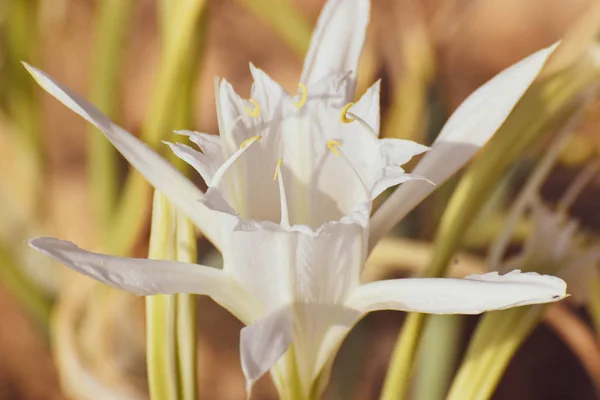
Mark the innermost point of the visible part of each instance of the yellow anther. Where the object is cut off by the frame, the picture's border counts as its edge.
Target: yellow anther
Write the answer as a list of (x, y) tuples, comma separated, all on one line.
[(343, 117), (302, 100), (277, 169), (248, 141), (333, 147), (256, 111)]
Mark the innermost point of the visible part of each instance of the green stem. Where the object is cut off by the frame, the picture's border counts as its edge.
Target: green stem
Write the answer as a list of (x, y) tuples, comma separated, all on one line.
[(17, 93), (186, 315), (129, 217), (183, 117), (20, 45), (112, 26), (161, 312), (594, 303), (496, 339), (437, 357), (26, 292), (287, 22), (399, 374), (163, 379)]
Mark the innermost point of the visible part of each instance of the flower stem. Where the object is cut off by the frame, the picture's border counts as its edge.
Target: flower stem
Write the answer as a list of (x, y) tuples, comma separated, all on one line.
[(399, 374), (496, 339), (129, 217), (171, 319), (25, 185), (161, 312), (594, 303), (437, 357), (23, 289), (282, 16), (111, 29), (186, 315)]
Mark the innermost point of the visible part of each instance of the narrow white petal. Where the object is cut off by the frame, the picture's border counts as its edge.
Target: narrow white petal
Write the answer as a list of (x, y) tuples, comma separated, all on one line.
[(156, 169), (472, 295), (337, 40), (148, 277), (467, 130), (264, 342)]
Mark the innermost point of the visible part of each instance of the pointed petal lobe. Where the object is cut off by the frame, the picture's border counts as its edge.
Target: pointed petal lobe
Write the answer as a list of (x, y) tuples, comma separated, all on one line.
[(472, 295), (155, 169)]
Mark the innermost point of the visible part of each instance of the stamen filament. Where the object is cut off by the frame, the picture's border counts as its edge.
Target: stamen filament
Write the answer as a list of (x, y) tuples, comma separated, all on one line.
[(364, 124), (256, 111), (343, 116), (333, 147), (247, 142), (285, 217), (277, 169), (303, 97), (216, 180)]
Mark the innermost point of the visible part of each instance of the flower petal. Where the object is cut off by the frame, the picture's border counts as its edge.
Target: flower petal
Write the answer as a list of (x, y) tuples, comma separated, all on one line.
[(266, 92), (205, 166), (337, 41), (264, 342), (367, 107), (467, 130), (209, 160), (391, 176), (472, 295), (148, 277), (162, 175)]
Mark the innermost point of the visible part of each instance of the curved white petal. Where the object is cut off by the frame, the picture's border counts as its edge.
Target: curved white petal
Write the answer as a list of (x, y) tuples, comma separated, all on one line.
[(205, 166), (472, 295), (264, 342), (467, 130), (337, 41), (162, 175), (211, 157), (148, 277), (391, 176)]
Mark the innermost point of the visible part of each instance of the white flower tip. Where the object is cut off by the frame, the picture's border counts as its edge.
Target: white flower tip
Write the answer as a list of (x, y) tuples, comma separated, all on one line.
[(39, 76), (48, 245), (550, 288), (253, 68), (58, 249), (184, 132)]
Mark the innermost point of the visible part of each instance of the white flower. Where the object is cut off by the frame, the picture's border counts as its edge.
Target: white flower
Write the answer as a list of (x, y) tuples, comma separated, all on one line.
[(291, 180)]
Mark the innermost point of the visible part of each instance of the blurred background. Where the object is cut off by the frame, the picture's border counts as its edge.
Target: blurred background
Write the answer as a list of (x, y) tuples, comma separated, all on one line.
[(62, 337)]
